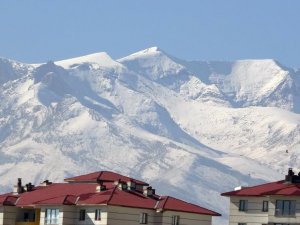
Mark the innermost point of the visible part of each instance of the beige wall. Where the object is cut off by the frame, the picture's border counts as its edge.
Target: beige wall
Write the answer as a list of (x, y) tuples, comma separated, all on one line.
[(255, 216), (8, 215), (1, 215), (69, 215), (90, 215), (131, 216), (186, 218), (110, 215), (283, 219)]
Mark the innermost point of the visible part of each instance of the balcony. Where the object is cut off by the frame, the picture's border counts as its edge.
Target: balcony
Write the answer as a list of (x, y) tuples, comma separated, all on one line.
[(28, 216), (28, 223)]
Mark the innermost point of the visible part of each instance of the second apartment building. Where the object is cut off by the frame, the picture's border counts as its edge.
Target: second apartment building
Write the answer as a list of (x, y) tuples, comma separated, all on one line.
[(276, 203)]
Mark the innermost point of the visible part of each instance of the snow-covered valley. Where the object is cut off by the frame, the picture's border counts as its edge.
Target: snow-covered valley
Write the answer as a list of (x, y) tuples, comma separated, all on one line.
[(193, 129)]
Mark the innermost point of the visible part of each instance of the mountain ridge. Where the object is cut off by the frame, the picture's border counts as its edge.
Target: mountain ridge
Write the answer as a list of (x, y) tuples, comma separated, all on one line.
[(187, 127)]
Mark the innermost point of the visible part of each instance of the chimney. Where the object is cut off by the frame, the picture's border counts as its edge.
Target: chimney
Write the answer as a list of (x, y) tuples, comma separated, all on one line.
[(291, 177), (29, 186), (239, 188), (18, 189), (45, 183), (15, 190)]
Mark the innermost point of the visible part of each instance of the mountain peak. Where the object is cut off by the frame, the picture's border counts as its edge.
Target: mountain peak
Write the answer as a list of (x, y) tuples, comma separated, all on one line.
[(148, 51), (152, 49), (100, 59), (260, 61), (152, 63)]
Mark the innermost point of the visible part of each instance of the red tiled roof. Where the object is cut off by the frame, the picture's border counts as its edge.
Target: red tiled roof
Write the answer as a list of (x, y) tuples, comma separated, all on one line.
[(104, 176), (85, 193), (80, 193), (173, 204), (58, 194), (274, 188), (132, 199)]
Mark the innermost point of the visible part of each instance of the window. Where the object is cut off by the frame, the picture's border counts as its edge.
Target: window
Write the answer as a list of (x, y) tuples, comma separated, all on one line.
[(98, 214), (175, 220), (52, 216), (26, 217), (82, 214), (242, 224), (143, 218), (285, 208), (265, 207), (243, 205), (29, 216)]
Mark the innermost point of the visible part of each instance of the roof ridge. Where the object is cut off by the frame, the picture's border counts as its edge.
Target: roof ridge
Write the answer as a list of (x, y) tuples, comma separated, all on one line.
[(100, 174), (278, 189), (272, 188), (167, 197), (111, 195)]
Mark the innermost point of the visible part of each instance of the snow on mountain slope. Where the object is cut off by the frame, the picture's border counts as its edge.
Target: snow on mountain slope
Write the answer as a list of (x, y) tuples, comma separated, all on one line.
[(186, 127), (96, 60), (251, 82), (11, 70), (197, 90), (240, 84), (156, 65)]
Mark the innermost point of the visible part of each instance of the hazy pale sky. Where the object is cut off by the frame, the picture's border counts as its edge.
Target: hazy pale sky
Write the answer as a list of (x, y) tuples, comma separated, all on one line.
[(38, 31)]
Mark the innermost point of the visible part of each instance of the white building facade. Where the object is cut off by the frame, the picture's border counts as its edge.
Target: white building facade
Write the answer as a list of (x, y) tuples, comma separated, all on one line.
[(276, 203)]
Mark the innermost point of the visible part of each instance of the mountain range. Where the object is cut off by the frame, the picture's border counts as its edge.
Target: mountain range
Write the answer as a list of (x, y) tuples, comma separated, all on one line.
[(193, 129)]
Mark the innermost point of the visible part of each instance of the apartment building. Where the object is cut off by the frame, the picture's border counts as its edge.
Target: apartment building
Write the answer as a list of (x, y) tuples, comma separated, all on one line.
[(276, 203), (100, 198)]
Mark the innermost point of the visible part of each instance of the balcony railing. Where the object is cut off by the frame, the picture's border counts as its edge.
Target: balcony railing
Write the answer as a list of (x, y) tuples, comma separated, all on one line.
[(27, 223)]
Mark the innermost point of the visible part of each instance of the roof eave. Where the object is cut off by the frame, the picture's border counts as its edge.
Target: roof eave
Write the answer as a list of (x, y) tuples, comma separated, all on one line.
[(207, 214)]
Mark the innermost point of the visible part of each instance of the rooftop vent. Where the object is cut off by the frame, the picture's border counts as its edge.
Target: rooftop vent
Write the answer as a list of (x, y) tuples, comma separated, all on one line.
[(19, 188), (28, 187), (239, 188), (45, 183), (291, 177)]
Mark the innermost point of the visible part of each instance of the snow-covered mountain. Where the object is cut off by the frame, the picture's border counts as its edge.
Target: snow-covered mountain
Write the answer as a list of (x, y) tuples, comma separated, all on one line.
[(191, 128)]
